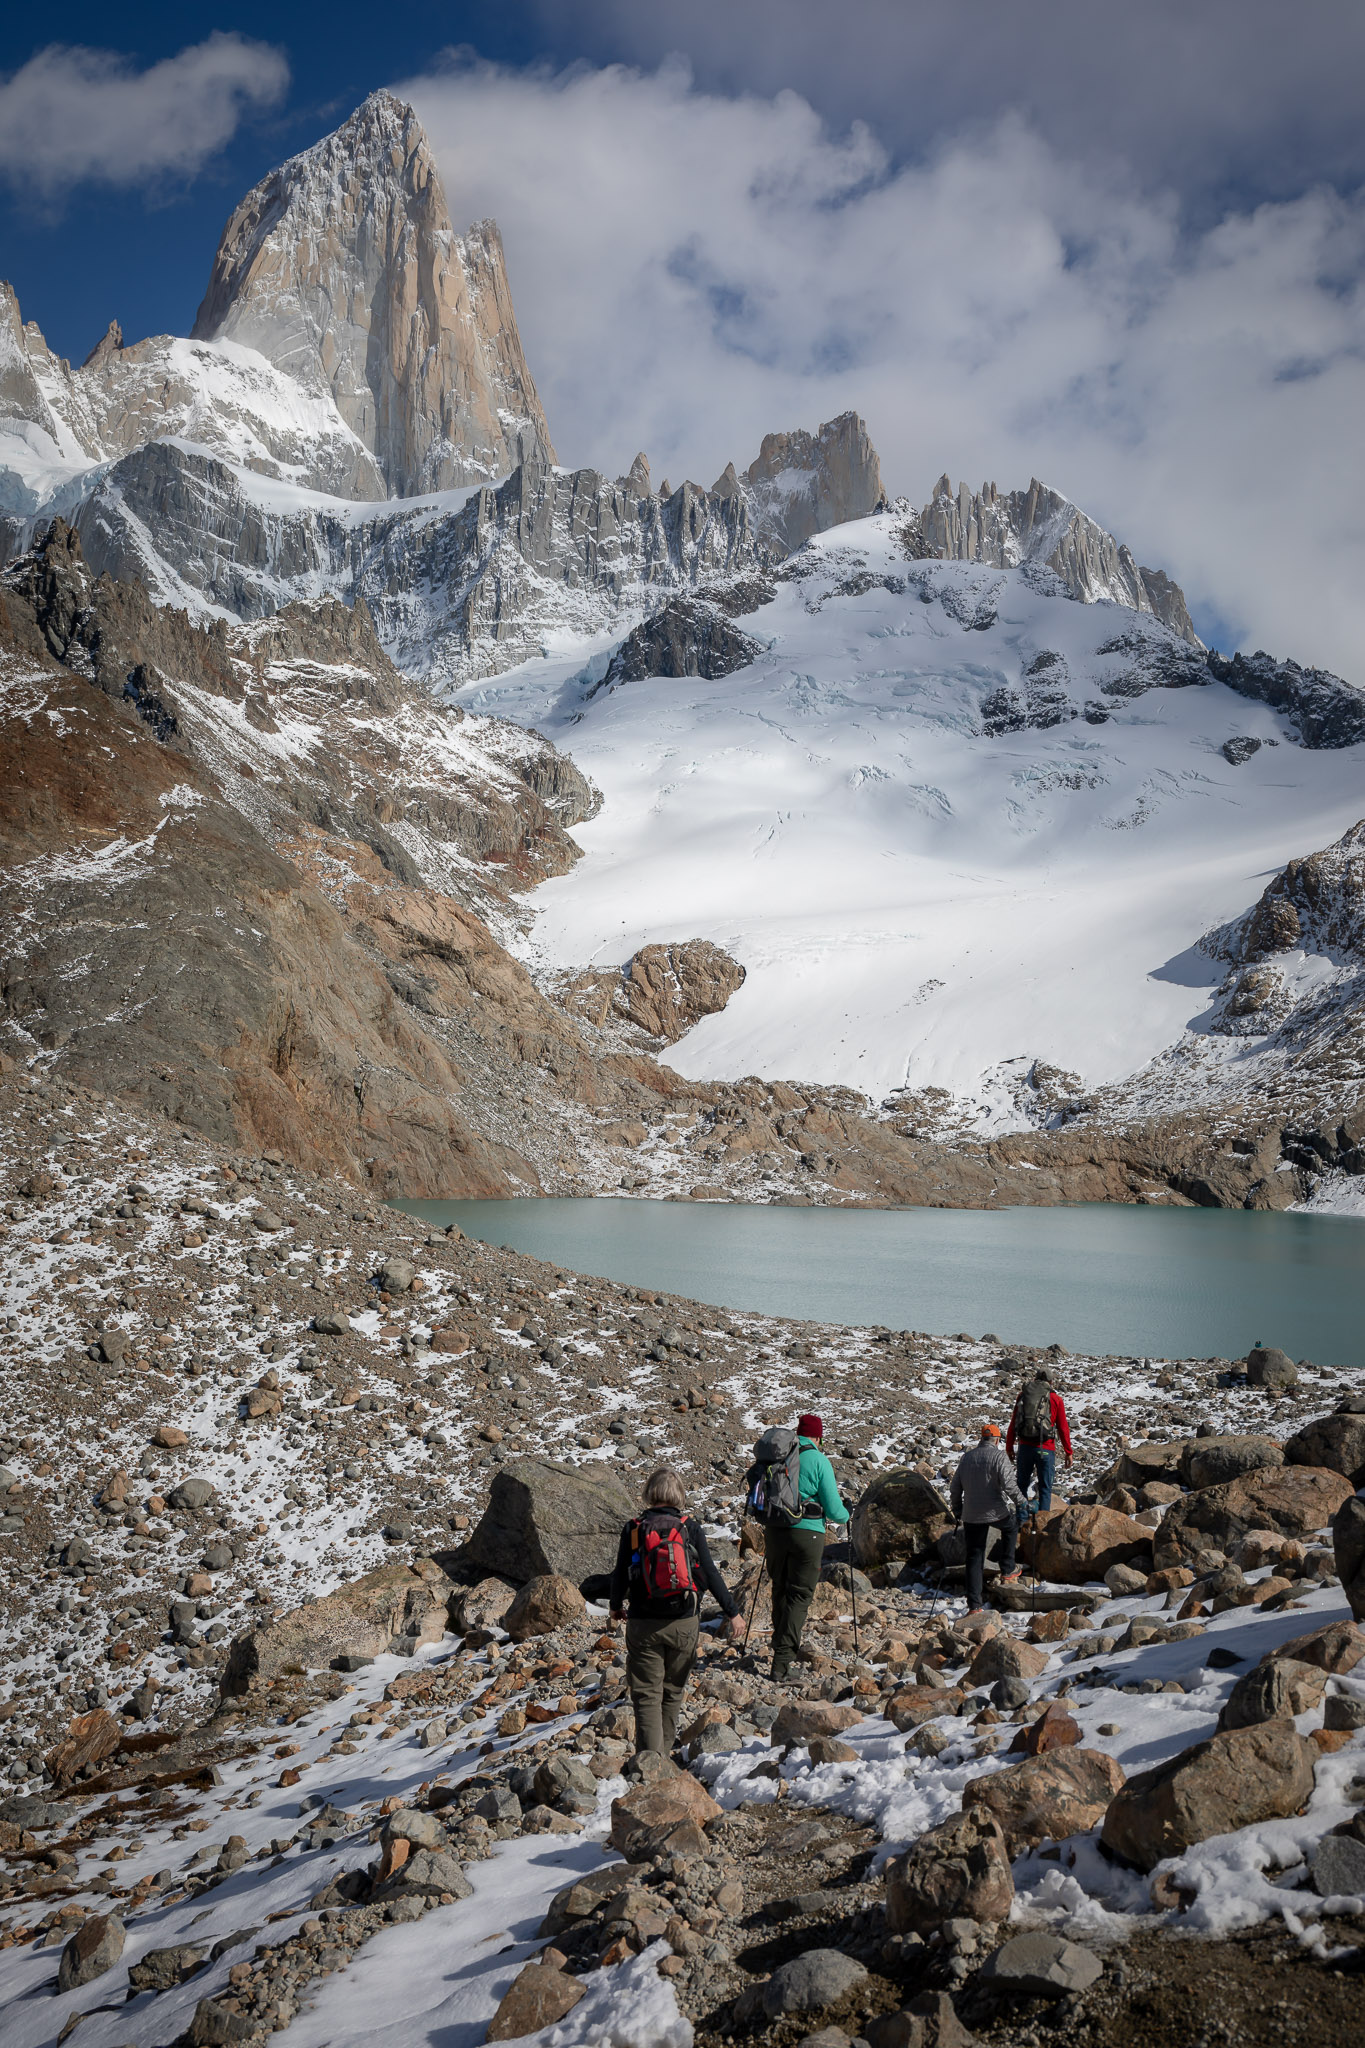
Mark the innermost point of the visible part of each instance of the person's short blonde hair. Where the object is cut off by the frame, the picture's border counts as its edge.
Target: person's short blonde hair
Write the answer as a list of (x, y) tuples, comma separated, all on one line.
[(664, 1489)]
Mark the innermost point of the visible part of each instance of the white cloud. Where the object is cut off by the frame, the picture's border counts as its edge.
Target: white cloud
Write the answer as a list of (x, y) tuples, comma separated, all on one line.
[(691, 270), (1249, 95), (73, 115)]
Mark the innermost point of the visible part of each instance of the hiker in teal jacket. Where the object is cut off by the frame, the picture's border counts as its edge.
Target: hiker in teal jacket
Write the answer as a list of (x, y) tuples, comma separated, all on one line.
[(794, 1554)]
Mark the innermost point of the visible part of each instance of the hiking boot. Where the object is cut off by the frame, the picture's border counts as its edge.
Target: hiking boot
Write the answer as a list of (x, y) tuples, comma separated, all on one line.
[(780, 1675), (1009, 1578)]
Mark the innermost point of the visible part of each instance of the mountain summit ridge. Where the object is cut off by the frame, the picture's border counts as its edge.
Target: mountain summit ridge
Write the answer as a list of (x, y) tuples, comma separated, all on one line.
[(343, 268)]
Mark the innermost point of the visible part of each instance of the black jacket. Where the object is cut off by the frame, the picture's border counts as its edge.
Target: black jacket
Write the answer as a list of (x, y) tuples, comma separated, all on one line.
[(627, 1592)]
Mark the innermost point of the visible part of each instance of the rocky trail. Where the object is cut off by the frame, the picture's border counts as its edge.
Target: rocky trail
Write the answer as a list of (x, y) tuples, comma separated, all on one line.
[(278, 1461)]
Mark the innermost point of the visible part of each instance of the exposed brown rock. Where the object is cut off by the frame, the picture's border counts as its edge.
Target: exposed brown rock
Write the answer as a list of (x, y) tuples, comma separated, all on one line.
[(1064, 1792), (1233, 1780)]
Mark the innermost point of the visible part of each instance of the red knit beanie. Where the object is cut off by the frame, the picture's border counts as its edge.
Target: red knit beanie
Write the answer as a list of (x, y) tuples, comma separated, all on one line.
[(809, 1425)]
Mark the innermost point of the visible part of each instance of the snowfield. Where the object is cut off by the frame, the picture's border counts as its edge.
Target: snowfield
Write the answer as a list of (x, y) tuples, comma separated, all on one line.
[(918, 900)]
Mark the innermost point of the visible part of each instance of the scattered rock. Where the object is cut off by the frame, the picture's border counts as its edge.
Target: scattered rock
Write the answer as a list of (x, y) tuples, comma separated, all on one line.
[(1336, 1442), (1339, 1867), (958, 1870), (90, 1739), (1275, 1690), (1062, 1792), (1348, 1550), (482, 1605), (537, 1997), (1235, 1779), (1005, 1657), (928, 2021), (1075, 1544), (649, 1811), (1040, 1966), (94, 1948), (192, 1493), (1213, 1460), (900, 1515), (360, 1619), (542, 1606), (1291, 1499), (809, 1983), (800, 1721)]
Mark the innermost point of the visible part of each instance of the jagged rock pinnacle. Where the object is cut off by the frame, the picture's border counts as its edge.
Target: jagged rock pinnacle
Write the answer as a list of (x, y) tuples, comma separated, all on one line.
[(343, 268)]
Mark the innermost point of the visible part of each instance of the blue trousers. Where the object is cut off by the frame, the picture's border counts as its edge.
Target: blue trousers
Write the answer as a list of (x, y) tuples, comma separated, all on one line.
[(1031, 1458)]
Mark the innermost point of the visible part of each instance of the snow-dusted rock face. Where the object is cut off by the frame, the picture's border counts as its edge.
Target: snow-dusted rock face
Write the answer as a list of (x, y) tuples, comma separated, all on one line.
[(1039, 525), (55, 422), (461, 584), (952, 823), (342, 267), (801, 484)]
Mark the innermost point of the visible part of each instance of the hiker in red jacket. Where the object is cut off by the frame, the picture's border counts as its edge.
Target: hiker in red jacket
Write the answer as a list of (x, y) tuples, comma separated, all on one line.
[(1039, 1418)]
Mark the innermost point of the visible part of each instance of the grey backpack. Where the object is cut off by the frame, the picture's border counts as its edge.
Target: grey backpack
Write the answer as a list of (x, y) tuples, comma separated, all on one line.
[(1035, 1412), (775, 1478)]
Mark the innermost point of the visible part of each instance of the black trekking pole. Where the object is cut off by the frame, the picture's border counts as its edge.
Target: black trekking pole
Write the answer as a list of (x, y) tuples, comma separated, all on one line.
[(853, 1589)]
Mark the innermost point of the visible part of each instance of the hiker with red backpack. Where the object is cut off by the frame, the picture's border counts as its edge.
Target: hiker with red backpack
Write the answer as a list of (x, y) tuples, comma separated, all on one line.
[(662, 1564), (792, 1491), (1039, 1418)]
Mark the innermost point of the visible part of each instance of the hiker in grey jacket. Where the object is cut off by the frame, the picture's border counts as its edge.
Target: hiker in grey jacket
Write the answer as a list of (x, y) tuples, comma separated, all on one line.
[(985, 1493)]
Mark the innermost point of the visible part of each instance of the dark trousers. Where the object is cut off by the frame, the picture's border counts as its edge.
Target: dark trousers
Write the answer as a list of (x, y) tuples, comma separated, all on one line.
[(977, 1535), (794, 1559), (659, 1660), (1031, 1458)]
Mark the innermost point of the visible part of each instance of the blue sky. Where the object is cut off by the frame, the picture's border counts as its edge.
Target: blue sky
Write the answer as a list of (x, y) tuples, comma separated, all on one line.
[(1121, 249), (93, 252)]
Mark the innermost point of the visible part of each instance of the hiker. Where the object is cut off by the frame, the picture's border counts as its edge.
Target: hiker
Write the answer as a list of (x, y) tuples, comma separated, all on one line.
[(792, 1490), (986, 1495), (1039, 1417), (662, 1563)]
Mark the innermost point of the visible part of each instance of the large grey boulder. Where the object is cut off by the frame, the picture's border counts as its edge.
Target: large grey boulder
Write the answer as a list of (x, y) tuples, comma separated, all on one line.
[(1271, 1369), (544, 1519)]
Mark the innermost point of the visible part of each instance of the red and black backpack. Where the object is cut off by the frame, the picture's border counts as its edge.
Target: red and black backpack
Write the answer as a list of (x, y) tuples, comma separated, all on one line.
[(661, 1560)]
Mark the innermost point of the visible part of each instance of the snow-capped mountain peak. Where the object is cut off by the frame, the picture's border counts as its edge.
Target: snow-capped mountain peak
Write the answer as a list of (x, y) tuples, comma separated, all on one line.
[(1039, 525)]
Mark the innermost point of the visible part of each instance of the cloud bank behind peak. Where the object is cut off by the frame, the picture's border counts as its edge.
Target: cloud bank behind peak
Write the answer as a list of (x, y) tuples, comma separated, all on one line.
[(694, 268)]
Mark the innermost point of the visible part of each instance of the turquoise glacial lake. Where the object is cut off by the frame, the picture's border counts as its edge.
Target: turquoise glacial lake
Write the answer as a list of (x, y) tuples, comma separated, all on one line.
[(1096, 1277)]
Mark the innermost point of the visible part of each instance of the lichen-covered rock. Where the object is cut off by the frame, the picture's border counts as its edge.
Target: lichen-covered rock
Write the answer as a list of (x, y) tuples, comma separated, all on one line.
[(900, 1515)]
